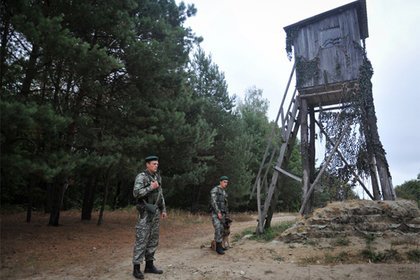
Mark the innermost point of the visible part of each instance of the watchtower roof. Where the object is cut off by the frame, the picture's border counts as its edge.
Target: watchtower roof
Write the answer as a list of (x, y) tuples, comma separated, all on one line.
[(359, 5)]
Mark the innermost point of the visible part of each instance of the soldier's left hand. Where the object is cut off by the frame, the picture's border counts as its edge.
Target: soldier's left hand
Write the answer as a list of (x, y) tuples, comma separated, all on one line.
[(164, 215)]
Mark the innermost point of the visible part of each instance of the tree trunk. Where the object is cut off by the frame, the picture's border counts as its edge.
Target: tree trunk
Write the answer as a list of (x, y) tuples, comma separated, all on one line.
[(58, 190), (48, 200), (30, 201), (101, 212), (88, 199), (30, 71), (116, 195), (106, 191), (55, 205), (56, 80), (195, 199), (3, 50), (269, 216)]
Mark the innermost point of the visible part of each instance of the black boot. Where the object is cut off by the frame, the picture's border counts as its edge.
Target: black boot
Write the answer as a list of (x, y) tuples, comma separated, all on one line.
[(219, 248), (137, 272), (150, 268)]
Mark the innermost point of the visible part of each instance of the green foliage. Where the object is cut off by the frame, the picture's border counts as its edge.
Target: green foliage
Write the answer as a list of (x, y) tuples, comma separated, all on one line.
[(237, 133), (246, 232), (246, 146), (414, 255), (32, 138), (333, 189), (335, 259), (274, 231), (376, 257), (91, 88), (370, 254), (268, 235), (290, 194), (369, 238), (409, 190)]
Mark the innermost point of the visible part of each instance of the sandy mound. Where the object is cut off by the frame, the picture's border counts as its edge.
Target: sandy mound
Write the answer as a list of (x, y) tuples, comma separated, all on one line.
[(358, 217)]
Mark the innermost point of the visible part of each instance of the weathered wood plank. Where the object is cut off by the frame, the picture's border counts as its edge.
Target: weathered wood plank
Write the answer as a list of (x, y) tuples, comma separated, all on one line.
[(335, 44)]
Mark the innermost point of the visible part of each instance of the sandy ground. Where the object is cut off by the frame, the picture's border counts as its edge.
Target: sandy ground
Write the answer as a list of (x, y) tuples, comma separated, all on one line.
[(79, 250)]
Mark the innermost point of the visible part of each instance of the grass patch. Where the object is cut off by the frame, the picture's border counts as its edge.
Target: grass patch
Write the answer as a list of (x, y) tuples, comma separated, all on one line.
[(309, 260), (239, 236), (12, 209), (268, 235), (377, 257), (414, 255), (370, 254), (310, 242), (370, 238), (242, 216), (404, 240), (341, 241), (178, 216), (274, 231), (334, 259), (278, 258)]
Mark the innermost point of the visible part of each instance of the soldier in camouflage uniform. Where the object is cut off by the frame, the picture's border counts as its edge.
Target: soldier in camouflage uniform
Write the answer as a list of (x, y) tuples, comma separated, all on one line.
[(151, 205), (219, 205)]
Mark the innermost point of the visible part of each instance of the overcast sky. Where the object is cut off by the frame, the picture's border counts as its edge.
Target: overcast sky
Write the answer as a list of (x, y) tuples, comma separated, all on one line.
[(246, 40)]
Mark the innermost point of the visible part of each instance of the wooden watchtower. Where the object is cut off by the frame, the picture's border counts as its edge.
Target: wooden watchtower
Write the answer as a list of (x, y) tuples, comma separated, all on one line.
[(329, 51)]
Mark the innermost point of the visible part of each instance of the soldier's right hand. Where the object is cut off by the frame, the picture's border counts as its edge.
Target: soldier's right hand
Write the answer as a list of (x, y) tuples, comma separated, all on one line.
[(154, 185)]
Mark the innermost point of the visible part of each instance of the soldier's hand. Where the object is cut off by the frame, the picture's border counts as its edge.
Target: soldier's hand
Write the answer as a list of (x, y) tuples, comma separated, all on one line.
[(154, 185), (164, 215), (219, 215)]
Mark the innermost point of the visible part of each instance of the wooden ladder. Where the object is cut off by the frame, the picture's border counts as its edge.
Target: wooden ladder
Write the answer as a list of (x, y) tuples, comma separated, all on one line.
[(289, 125)]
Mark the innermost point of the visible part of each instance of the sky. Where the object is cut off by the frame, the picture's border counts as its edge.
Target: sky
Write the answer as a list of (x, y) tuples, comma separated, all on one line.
[(246, 39)]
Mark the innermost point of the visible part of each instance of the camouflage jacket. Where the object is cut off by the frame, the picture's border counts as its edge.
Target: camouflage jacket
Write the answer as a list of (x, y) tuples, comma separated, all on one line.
[(219, 200), (143, 191)]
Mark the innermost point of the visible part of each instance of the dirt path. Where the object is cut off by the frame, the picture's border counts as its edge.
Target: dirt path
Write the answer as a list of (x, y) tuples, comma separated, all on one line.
[(249, 259), (186, 255)]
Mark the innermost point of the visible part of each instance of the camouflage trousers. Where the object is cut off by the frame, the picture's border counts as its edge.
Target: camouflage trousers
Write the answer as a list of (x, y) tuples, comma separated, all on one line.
[(147, 237), (218, 227)]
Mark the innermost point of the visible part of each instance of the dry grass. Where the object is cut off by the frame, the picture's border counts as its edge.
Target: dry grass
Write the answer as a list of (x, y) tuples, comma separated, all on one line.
[(41, 247), (45, 248)]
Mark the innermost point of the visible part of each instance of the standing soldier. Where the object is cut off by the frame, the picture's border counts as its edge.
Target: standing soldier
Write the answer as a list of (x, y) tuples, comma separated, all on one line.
[(219, 205), (151, 205)]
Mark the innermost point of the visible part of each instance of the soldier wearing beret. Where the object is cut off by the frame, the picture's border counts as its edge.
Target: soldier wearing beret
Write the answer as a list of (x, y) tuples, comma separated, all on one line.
[(151, 207), (219, 206)]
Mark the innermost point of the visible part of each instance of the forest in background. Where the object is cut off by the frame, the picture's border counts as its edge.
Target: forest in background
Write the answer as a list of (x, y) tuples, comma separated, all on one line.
[(90, 88)]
